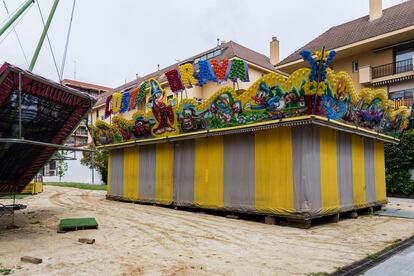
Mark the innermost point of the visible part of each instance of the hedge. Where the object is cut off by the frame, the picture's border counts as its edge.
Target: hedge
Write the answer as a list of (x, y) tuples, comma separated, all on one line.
[(399, 159)]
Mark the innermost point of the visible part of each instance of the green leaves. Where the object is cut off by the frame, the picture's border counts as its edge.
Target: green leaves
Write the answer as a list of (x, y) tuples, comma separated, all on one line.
[(100, 162), (399, 159)]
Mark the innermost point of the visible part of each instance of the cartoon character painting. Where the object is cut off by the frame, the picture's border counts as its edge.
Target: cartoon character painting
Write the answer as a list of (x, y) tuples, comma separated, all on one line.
[(331, 108), (162, 111), (190, 121), (141, 128), (373, 114), (265, 99), (276, 102)]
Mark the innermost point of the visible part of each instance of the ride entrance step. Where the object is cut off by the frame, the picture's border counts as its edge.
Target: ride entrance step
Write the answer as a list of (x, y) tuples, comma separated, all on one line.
[(74, 224)]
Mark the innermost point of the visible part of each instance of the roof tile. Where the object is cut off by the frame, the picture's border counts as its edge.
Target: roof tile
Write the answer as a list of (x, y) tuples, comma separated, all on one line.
[(393, 18)]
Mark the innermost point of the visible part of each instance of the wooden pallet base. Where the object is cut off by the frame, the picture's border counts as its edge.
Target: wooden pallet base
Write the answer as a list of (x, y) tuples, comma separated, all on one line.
[(295, 220)]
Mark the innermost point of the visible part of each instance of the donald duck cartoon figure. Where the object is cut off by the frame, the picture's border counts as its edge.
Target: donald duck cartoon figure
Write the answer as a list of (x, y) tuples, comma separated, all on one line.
[(269, 101), (163, 113)]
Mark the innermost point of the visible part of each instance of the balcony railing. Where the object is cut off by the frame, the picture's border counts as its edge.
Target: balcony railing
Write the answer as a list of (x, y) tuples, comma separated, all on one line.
[(406, 101), (392, 68)]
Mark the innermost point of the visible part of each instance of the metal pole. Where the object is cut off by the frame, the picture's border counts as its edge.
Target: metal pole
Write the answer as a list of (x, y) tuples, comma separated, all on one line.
[(15, 16), (93, 153), (14, 203), (42, 37), (321, 62), (20, 105), (43, 144)]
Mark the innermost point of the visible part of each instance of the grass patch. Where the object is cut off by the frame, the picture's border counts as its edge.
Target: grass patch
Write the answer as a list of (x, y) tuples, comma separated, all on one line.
[(318, 274), (11, 197), (373, 257), (77, 185), (35, 221), (6, 271)]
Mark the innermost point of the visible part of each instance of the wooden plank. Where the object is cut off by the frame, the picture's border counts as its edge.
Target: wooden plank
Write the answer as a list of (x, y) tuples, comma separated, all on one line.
[(87, 241), (32, 260)]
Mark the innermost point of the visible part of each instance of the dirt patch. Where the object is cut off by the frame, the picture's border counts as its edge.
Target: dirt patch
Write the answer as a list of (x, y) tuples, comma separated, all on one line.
[(140, 239)]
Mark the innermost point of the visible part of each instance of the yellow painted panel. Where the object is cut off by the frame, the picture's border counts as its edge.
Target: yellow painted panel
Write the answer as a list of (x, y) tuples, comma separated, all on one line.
[(209, 172), (379, 167), (131, 173), (329, 171), (108, 187), (358, 171), (164, 173), (274, 171)]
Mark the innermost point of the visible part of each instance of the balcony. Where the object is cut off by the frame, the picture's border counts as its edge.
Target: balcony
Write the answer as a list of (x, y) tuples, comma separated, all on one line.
[(392, 68), (386, 73), (406, 101)]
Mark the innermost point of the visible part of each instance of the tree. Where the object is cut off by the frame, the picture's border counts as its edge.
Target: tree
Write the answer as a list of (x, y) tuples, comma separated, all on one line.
[(399, 159), (100, 161), (61, 165)]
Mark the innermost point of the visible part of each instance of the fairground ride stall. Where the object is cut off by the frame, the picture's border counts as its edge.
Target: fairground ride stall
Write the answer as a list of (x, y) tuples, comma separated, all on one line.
[(302, 146)]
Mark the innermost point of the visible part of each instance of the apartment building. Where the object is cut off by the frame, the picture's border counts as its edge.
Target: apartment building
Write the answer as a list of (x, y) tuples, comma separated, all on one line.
[(375, 50), (79, 138)]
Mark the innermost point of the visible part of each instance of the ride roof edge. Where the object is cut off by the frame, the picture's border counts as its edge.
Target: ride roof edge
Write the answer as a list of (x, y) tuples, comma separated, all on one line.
[(301, 120)]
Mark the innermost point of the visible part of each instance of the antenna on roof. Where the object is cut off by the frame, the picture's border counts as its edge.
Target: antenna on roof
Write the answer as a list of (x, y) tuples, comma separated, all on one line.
[(137, 76), (218, 42), (158, 67)]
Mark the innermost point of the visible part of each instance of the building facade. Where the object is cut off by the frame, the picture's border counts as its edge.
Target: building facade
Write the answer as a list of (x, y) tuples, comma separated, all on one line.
[(79, 138), (375, 50)]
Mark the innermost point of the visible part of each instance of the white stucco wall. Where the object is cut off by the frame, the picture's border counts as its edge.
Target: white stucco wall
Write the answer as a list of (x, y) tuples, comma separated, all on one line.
[(76, 173)]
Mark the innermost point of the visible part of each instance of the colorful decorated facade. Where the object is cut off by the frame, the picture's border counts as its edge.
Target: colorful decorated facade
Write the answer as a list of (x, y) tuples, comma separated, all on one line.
[(302, 146)]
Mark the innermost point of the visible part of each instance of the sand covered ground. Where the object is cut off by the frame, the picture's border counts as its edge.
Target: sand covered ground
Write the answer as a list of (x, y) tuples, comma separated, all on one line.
[(137, 239)]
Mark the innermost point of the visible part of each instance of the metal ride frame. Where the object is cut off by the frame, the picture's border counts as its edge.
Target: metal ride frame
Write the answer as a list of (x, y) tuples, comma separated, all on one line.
[(20, 140)]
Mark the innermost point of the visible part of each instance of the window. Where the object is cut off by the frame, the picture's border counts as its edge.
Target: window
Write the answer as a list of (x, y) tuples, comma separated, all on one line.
[(355, 66), (97, 113), (403, 58), (396, 95), (208, 56), (402, 94)]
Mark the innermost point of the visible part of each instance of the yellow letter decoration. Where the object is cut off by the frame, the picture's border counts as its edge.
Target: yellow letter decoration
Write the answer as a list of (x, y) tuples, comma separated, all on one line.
[(116, 102), (187, 75)]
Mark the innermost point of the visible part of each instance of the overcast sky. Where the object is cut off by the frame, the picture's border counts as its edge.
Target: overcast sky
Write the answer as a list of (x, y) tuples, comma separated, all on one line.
[(112, 41)]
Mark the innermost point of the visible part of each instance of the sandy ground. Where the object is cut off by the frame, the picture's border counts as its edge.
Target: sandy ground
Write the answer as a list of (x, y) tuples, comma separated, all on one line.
[(139, 239)]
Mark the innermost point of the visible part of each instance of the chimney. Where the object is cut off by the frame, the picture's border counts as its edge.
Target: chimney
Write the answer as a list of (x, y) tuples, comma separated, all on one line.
[(375, 9), (274, 51)]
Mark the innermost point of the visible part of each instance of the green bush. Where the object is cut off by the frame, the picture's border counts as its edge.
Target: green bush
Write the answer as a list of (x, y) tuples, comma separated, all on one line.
[(399, 159)]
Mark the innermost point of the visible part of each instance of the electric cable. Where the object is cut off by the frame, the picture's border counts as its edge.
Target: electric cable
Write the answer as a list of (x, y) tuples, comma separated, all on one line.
[(67, 40), (17, 35), (15, 24), (4, 20), (48, 40)]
